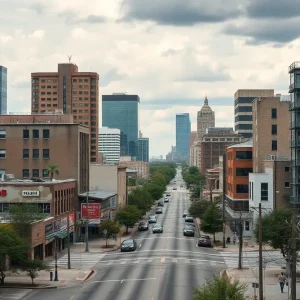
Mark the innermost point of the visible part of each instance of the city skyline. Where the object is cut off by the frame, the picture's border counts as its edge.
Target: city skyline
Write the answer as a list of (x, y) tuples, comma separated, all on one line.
[(155, 56)]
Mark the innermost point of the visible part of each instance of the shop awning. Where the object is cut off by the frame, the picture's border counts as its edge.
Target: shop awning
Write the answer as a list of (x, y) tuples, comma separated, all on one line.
[(61, 234)]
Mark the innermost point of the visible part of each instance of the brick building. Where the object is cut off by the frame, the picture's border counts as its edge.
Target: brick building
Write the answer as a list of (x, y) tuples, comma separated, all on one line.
[(71, 91), (141, 167)]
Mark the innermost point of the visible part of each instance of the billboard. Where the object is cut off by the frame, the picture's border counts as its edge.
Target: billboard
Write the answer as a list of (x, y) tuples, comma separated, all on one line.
[(91, 211)]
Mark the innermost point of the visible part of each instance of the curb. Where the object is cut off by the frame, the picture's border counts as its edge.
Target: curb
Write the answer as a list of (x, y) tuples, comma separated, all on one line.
[(48, 287)]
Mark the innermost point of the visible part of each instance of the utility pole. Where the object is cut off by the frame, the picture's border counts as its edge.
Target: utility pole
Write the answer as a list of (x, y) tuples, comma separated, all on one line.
[(87, 224), (293, 266), (241, 227), (223, 204), (68, 240), (260, 275)]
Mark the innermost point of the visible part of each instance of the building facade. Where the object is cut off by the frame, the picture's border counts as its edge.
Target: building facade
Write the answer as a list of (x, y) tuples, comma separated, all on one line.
[(72, 92), (243, 109), (109, 144), (122, 111), (141, 167), (183, 131), (30, 143), (143, 149), (205, 119), (271, 129), (3, 90)]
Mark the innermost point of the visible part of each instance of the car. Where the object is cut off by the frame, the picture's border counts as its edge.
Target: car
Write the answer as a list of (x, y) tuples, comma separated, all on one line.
[(174, 188), (185, 214), (143, 226), (157, 228), (168, 194), (160, 203), (166, 200), (189, 230), (189, 219), (205, 241), (159, 210), (152, 219), (181, 185), (128, 245)]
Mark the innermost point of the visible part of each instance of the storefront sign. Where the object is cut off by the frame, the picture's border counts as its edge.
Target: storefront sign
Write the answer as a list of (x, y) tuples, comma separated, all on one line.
[(63, 223), (57, 225), (30, 193), (113, 202), (48, 228), (91, 212)]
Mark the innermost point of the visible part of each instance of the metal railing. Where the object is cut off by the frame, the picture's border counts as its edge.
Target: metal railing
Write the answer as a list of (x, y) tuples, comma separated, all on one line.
[(294, 65)]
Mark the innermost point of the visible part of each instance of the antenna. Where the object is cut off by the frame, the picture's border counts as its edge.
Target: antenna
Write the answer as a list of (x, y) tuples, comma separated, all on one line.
[(69, 57)]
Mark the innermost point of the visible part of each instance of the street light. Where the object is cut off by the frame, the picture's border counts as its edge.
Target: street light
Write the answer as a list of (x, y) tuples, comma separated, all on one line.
[(87, 222), (55, 256)]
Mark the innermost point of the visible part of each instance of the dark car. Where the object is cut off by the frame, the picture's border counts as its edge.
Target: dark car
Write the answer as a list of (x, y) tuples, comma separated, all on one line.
[(205, 241), (160, 203), (143, 226), (157, 228), (185, 214), (152, 219), (189, 230), (168, 194), (159, 210), (128, 245), (174, 188), (189, 219), (166, 200)]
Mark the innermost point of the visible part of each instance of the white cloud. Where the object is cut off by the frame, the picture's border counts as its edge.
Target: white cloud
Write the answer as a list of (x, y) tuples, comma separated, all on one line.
[(37, 34)]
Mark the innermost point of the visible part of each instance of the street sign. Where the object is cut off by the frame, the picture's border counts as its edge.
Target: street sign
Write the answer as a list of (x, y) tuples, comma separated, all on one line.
[(255, 285)]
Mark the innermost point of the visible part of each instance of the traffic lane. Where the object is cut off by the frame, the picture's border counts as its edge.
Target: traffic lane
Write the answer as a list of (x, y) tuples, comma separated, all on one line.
[(50, 294)]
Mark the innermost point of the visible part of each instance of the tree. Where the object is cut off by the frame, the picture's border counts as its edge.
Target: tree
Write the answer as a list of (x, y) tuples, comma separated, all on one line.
[(52, 169), (12, 246), (141, 198), (159, 179), (198, 208), (111, 228), (31, 267), (220, 288), (211, 221), (277, 231), (128, 216), (156, 191)]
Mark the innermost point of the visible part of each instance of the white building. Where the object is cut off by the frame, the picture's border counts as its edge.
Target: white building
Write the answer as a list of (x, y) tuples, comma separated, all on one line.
[(109, 144)]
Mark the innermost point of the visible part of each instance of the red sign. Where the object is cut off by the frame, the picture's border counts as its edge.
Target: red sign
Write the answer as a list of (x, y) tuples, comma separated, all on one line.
[(3, 193), (90, 211)]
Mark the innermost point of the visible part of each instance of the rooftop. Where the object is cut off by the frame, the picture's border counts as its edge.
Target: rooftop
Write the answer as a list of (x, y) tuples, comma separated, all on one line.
[(247, 144), (33, 182), (98, 194)]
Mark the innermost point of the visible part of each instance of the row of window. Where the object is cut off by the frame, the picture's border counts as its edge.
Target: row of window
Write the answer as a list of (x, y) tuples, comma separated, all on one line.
[(35, 173), (93, 99), (36, 153), (221, 139), (26, 134), (44, 207), (93, 87), (84, 104), (34, 100), (36, 80)]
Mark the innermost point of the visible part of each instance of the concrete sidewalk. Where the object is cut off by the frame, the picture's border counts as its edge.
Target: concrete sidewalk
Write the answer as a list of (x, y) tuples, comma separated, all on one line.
[(271, 285)]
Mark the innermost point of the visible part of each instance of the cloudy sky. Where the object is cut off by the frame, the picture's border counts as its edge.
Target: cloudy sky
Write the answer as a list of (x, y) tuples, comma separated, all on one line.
[(170, 52)]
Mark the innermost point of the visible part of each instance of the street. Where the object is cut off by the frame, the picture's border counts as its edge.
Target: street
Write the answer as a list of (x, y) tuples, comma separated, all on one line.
[(165, 266)]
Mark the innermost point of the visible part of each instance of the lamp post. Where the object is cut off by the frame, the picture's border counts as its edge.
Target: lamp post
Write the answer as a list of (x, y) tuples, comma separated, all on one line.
[(55, 256), (87, 224)]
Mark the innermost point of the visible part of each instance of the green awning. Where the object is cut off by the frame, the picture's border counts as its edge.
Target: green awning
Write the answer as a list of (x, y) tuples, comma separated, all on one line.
[(61, 234)]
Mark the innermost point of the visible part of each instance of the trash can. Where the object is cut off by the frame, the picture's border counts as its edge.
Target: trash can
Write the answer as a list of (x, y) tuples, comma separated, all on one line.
[(51, 275)]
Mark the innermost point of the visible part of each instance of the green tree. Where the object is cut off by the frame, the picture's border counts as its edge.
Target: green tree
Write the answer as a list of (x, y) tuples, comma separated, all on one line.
[(13, 247), (211, 221), (52, 169), (156, 191), (32, 267), (159, 179), (128, 216), (198, 208), (111, 228), (277, 231), (141, 198), (220, 288)]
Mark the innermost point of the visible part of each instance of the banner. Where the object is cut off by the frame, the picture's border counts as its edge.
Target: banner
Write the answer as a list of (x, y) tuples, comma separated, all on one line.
[(91, 212)]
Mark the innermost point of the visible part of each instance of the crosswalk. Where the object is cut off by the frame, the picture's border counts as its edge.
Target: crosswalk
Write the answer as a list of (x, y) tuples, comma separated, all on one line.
[(13, 294), (250, 259), (82, 260)]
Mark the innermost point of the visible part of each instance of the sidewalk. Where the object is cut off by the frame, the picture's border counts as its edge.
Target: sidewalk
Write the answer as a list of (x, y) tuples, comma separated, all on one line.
[(271, 285)]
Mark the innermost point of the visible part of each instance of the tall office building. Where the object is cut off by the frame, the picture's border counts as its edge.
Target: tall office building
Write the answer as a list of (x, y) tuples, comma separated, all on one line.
[(3, 90), (143, 149), (205, 119), (109, 144), (71, 92), (243, 109), (183, 131), (121, 111)]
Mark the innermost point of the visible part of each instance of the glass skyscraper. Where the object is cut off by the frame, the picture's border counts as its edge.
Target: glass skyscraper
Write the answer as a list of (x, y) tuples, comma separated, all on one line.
[(183, 131), (121, 111), (3, 90), (143, 149)]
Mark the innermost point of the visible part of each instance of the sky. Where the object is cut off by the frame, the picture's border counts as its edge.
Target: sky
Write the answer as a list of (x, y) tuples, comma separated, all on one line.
[(172, 53)]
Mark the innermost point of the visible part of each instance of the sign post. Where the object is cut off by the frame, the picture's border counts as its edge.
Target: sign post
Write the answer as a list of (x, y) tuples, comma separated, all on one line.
[(255, 285)]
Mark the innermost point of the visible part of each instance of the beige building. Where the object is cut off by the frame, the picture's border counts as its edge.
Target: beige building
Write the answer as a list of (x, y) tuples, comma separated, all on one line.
[(141, 167), (71, 91), (205, 119), (271, 129), (30, 143), (109, 178), (193, 139), (243, 109)]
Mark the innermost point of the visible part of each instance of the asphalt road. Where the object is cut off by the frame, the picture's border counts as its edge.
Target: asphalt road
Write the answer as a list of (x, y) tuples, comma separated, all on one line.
[(165, 266)]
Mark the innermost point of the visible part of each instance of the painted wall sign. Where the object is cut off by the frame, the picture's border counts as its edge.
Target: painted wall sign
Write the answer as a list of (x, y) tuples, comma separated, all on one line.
[(30, 193)]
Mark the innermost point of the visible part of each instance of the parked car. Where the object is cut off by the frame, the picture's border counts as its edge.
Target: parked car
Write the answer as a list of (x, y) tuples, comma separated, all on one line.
[(189, 219), (143, 226), (185, 214), (157, 228), (174, 188), (189, 230), (205, 241), (128, 245), (160, 203), (159, 210), (166, 200), (152, 219), (168, 195)]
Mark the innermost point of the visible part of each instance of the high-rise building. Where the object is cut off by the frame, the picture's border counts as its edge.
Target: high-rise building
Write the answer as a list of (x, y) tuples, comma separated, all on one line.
[(143, 149), (72, 92), (183, 131), (243, 109), (109, 144), (3, 90), (205, 119), (121, 111)]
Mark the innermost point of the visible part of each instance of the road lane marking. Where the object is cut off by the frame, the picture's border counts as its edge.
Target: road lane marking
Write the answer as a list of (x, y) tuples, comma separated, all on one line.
[(136, 262), (140, 246), (123, 262), (174, 260), (162, 259), (150, 260)]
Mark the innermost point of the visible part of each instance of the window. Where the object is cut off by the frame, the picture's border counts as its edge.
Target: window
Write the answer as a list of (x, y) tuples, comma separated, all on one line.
[(25, 153), (247, 225), (287, 184), (35, 153), (36, 134), (25, 173), (2, 153), (274, 129), (243, 171), (274, 113), (243, 154), (35, 173), (287, 169), (274, 145), (25, 134), (46, 133), (264, 191), (2, 134), (46, 154), (45, 173), (242, 188), (250, 191)]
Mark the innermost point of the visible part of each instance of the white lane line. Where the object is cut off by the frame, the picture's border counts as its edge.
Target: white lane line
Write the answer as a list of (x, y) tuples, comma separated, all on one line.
[(123, 262), (136, 262), (174, 260), (162, 259), (149, 260), (140, 245)]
